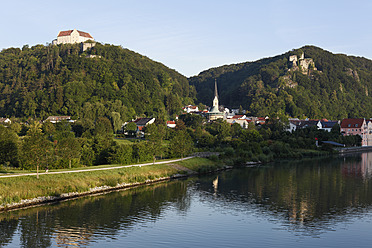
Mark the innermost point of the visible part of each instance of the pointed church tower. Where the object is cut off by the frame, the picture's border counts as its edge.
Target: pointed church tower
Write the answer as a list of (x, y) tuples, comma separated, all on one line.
[(214, 113), (215, 100)]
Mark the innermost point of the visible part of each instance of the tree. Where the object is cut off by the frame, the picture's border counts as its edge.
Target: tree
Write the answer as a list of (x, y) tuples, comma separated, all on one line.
[(48, 128), (69, 148), (116, 121), (131, 128), (103, 127), (121, 154), (156, 134), (8, 147), (220, 128), (181, 144), (35, 150)]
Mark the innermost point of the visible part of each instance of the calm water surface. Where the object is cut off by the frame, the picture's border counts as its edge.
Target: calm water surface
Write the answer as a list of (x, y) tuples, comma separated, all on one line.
[(323, 203)]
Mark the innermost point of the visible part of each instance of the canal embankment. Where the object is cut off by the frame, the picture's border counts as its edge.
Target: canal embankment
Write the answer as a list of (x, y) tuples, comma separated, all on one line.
[(356, 149), (28, 190)]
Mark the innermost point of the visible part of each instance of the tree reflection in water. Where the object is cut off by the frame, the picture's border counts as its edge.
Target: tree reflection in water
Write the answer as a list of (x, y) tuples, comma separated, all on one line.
[(308, 196)]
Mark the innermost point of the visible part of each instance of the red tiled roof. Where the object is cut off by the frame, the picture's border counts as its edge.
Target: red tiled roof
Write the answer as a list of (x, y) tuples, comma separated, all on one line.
[(237, 116), (65, 33), (68, 32), (171, 122), (357, 122), (84, 34)]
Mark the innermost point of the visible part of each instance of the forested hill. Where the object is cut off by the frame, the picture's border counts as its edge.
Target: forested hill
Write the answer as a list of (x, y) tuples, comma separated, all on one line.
[(42, 80), (322, 85)]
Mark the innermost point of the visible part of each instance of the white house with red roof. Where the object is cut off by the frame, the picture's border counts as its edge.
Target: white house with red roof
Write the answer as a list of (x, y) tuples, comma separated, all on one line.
[(190, 109), (71, 37), (171, 124), (356, 126)]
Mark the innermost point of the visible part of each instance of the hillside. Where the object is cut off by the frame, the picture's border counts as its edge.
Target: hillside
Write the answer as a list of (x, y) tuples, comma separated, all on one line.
[(321, 85), (42, 80)]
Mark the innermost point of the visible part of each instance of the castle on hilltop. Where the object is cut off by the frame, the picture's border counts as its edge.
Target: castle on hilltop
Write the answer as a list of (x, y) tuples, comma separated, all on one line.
[(71, 37), (302, 64)]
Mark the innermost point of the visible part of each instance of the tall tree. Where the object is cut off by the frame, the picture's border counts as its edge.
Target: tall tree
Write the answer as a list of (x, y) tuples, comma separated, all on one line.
[(69, 148), (181, 144)]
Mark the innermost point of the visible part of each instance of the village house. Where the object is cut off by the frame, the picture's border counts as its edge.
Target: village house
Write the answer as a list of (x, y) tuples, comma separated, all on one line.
[(171, 124), (55, 119), (141, 123), (295, 124), (190, 109), (357, 126), (328, 125), (6, 121), (242, 122), (369, 132)]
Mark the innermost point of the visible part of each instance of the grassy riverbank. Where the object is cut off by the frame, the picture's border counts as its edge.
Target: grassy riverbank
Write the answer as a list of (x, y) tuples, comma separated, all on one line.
[(13, 190)]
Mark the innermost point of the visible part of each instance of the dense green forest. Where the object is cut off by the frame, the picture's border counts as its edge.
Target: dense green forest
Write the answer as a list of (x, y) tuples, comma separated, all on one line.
[(338, 88), (117, 83)]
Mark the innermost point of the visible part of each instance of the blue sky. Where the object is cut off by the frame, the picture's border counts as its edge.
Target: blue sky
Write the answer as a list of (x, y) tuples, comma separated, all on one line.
[(195, 35)]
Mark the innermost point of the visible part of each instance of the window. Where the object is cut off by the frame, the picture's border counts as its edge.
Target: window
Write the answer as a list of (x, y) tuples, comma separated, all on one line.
[(356, 125), (349, 125)]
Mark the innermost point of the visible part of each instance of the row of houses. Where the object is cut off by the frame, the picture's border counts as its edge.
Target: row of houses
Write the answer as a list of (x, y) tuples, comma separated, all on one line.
[(323, 124), (349, 126)]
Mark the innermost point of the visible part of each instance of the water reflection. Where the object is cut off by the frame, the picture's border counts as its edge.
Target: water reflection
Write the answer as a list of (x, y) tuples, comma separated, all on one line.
[(309, 197), (81, 221), (359, 168)]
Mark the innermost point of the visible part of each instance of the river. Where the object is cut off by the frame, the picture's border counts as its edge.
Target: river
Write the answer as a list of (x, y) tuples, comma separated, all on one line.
[(309, 203)]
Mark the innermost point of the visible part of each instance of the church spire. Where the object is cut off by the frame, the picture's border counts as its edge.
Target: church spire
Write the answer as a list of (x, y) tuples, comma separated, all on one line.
[(215, 88), (215, 100)]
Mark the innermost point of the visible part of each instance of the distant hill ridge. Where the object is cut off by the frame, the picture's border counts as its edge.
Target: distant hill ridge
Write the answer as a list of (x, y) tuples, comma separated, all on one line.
[(306, 82), (105, 80)]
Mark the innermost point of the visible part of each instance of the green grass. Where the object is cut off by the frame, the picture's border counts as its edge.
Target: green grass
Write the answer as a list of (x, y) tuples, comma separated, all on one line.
[(201, 165), (28, 187)]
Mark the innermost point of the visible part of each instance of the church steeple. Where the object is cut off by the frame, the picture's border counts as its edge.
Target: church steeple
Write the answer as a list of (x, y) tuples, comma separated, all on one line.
[(215, 88), (215, 100), (214, 113)]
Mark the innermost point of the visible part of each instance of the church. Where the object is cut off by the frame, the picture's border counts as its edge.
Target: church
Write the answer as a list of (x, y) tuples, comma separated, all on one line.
[(215, 113)]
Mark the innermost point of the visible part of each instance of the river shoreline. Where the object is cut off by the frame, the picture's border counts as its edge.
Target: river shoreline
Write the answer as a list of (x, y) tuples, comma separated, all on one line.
[(42, 200)]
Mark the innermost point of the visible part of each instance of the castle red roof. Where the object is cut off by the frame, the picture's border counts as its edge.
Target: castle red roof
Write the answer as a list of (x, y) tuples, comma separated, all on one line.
[(65, 33), (84, 34), (68, 32)]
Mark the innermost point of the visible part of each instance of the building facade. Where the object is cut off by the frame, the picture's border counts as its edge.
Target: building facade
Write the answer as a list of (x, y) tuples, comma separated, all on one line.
[(357, 126), (71, 37)]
